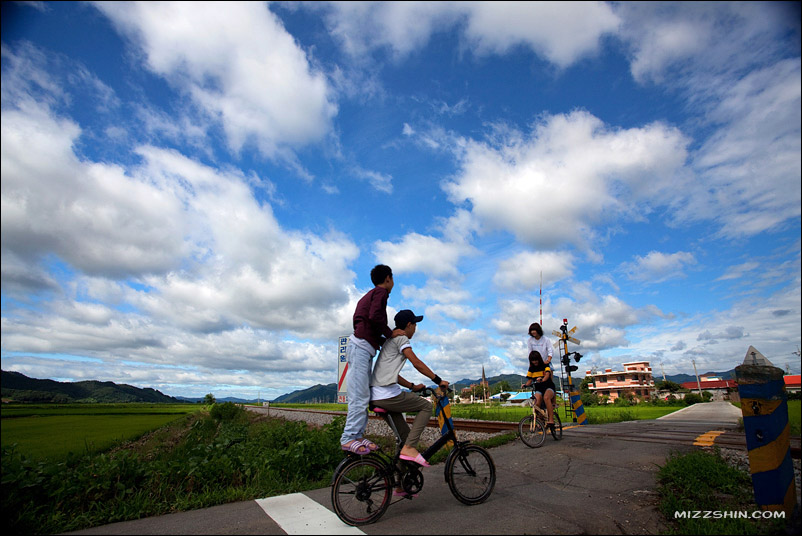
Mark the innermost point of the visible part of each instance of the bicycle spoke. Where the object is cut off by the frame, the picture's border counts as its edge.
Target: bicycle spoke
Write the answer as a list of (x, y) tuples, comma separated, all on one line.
[(361, 493), (472, 476)]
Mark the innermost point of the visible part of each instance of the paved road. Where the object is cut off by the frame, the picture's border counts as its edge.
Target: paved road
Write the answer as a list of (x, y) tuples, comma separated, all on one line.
[(591, 482)]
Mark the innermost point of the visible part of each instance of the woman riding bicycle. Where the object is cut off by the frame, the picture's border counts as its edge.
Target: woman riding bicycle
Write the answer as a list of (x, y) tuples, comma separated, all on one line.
[(386, 382), (540, 372)]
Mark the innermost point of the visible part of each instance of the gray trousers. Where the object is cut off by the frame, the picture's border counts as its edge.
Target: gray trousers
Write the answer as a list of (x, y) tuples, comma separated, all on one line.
[(404, 403)]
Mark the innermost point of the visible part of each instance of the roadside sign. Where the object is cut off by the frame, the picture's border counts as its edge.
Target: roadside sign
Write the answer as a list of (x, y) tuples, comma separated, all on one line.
[(342, 369)]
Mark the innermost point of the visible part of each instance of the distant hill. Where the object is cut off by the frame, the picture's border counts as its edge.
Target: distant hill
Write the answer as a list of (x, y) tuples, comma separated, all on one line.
[(234, 399), (321, 394), (682, 378), (20, 388), (514, 380)]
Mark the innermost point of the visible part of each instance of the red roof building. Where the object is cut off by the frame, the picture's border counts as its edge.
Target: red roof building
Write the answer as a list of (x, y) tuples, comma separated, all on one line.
[(792, 383), (710, 384)]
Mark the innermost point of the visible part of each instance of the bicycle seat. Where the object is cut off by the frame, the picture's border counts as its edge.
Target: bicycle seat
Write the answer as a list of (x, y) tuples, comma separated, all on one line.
[(376, 409)]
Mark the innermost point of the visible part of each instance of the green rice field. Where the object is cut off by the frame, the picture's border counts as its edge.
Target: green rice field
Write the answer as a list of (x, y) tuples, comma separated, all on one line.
[(497, 412), (53, 431), (596, 414)]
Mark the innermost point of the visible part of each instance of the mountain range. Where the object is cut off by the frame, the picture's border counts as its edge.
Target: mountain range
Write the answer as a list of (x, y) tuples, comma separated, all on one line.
[(20, 388)]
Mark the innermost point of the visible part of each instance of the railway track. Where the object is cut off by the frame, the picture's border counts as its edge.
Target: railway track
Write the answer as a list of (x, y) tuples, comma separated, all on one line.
[(699, 435)]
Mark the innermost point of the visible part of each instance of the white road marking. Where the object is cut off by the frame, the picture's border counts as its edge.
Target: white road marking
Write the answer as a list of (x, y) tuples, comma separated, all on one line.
[(298, 514)]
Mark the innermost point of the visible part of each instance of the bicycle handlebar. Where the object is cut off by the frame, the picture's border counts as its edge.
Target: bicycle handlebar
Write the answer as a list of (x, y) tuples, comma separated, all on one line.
[(428, 391)]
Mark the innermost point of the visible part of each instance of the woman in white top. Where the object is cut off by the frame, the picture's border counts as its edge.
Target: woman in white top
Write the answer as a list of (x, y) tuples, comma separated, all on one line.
[(537, 341)]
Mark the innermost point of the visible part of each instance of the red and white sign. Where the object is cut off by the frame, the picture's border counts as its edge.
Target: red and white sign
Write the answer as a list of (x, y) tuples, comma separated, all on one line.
[(342, 369)]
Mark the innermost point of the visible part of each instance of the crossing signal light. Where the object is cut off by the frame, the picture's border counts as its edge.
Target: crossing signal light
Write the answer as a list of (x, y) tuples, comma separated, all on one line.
[(571, 368)]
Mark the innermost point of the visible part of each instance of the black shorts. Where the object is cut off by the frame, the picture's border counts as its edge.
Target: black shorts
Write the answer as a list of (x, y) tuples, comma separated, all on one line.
[(542, 387)]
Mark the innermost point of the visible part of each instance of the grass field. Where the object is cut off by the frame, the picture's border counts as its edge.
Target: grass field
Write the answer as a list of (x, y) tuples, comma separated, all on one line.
[(795, 416), (52, 431), (497, 412)]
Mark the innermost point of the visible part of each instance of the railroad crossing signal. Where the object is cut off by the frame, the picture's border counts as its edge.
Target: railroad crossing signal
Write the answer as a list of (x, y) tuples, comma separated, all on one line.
[(576, 401), (566, 338)]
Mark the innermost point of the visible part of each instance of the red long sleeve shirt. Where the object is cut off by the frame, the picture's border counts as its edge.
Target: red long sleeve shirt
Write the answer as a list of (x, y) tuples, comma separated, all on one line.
[(370, 317)]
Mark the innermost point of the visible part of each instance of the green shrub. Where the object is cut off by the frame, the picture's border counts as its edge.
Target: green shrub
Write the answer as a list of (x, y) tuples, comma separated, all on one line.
[(621, 401), (692, 398), (227, 411), (220, 458)]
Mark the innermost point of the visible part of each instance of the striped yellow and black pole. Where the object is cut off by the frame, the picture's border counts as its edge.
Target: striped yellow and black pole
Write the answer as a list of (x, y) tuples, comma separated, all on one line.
[(442, 411), (576, 398), (764, 404)]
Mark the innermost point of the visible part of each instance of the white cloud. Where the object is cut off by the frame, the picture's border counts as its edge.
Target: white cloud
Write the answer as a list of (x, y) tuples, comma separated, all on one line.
[(93, 216), (697, 39), (238, 63), (422, 253), (425, 253), (750, 167), (718, 340), (572, 174), (656, 267), (523, 271), (738, 74), (738, 271), (562, 33)]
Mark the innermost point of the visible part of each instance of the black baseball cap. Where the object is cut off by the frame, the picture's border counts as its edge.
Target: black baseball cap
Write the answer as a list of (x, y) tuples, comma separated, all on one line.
[(404, 317)]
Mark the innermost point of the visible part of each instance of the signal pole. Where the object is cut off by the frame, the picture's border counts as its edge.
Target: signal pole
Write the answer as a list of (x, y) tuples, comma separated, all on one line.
[(576, 400)]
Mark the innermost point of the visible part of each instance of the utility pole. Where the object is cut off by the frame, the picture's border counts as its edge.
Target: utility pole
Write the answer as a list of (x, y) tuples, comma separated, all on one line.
[(698, 383), (541, 298)]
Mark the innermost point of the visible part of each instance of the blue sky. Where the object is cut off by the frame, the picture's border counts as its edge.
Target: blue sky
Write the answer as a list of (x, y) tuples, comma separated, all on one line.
[(193, 194)]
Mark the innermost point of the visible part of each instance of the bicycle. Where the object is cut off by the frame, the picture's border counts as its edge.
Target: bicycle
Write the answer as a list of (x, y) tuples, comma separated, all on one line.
[(532, 428), (362, 486)]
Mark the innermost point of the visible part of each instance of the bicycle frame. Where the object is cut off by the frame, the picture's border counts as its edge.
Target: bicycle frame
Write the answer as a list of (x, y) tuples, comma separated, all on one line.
[(469, 473), (449, 435), (538, 411)]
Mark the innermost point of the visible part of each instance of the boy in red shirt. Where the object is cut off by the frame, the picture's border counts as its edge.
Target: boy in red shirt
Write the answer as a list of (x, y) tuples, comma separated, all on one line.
[(370, 332)]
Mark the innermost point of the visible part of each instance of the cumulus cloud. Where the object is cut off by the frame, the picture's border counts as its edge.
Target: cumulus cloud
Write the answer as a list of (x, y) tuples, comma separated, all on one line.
[(165, 262), (562, 33), (237, 63), (91, 215), (430, 255), (524, 184), (421, 253), (523, 271)]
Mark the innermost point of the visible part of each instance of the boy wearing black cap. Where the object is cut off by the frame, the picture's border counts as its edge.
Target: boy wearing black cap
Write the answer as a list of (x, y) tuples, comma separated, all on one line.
[(386, 382)]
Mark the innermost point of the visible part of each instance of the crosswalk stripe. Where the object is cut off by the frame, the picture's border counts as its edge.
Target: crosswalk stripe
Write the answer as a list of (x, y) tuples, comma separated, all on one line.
[(298, 514)]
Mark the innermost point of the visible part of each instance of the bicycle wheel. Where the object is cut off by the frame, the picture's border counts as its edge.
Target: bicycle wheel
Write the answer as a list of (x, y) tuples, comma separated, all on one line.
[(471, 474), (557, 432), (361, 492), (531, 431)]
